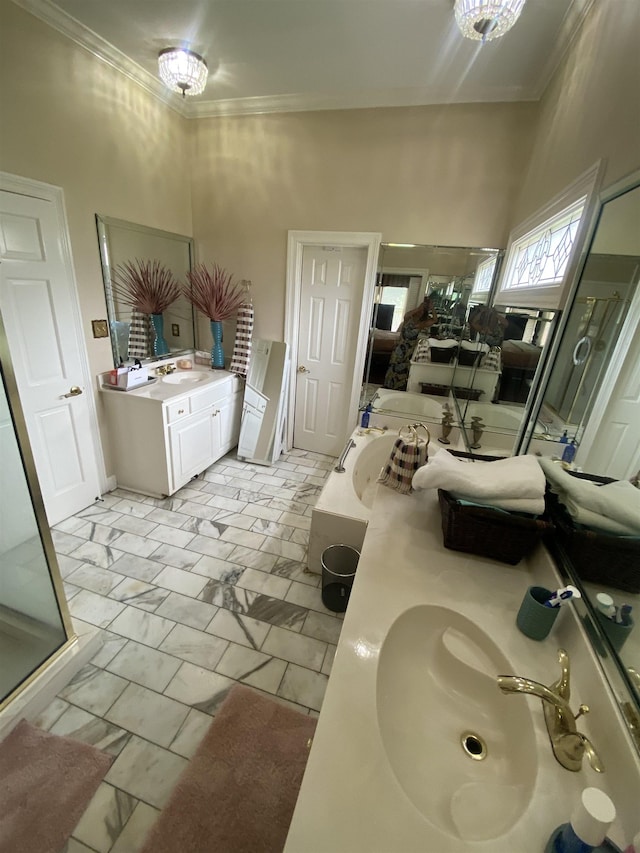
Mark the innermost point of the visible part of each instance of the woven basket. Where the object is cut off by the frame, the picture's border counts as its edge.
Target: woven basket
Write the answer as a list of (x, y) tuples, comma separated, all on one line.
[(467, 393), (597, 557), (435, 390), (442, 355), (506, 537)]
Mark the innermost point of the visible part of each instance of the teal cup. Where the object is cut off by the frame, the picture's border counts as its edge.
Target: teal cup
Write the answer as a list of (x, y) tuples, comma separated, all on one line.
[(534, 619), (618, 634)]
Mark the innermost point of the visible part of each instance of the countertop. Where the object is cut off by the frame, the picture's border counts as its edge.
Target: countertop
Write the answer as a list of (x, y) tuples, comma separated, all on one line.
[(163, 391), (350, 799)]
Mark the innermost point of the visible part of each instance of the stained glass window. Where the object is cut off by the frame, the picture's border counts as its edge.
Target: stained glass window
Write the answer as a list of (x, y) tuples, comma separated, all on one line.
[(540, 258), (484, 276)]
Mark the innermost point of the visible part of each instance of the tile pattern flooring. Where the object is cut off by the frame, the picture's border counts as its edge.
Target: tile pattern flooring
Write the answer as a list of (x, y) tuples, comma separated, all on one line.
[(193, 593)]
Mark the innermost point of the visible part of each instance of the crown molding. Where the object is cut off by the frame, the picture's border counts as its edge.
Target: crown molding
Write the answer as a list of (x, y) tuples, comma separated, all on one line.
[(371, 99), (86, 38), (571, 26)]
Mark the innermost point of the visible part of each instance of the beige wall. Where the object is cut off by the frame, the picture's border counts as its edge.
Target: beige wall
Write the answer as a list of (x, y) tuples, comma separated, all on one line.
[(591, 109), (73, 121), (449, 175), (446, 175)]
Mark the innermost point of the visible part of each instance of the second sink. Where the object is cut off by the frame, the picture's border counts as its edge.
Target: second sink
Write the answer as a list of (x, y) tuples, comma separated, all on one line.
[(464, 757), (186, 378)]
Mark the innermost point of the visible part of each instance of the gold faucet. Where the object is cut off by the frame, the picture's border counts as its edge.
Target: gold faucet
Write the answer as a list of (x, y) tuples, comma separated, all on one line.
[(164, 369), (568, 744)]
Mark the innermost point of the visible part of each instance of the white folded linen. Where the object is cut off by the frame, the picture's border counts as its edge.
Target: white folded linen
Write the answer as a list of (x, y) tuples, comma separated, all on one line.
[(533, 506), (515, 477), (616, 505), (596, 521)]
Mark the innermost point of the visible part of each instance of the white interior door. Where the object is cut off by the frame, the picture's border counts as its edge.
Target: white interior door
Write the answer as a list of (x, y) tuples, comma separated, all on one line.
[(37, 299), (619, 455), (332, 289)]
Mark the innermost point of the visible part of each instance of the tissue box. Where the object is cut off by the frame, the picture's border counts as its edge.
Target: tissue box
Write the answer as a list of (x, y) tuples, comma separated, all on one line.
[(126, 377)]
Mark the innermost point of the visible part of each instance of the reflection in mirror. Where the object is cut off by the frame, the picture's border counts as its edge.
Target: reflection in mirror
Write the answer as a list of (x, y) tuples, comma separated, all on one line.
[(420, 307), (131, 335), (262, 431), (592, 395), (491, 396)]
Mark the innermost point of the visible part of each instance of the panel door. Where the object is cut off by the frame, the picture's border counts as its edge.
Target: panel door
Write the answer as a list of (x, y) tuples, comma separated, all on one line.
[(37, 299), (331, 299), (193, 444), (619, 455)]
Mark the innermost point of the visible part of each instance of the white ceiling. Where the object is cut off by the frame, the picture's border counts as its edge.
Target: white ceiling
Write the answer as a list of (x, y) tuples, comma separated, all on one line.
[(284, 55)]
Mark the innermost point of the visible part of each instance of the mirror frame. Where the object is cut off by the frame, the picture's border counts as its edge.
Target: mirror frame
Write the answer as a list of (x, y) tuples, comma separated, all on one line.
[(102, 225)]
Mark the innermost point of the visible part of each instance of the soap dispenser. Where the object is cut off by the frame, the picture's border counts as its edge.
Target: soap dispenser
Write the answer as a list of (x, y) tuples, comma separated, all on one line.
[(364, 423), (568, 454), (587, 830)]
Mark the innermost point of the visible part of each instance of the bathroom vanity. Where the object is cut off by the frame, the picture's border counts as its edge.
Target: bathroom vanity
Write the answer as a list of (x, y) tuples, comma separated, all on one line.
[(166, 432), (413, 697)]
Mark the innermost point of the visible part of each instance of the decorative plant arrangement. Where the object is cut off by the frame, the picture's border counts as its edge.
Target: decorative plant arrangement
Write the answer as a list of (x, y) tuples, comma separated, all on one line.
[(148, 287), (215, 295)]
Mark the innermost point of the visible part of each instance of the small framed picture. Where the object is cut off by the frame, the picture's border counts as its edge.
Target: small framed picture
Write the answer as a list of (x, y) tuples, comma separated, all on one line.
[(100, 328)]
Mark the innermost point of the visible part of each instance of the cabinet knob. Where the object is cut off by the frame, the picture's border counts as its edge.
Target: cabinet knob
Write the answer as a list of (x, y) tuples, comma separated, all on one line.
[(181, 411)]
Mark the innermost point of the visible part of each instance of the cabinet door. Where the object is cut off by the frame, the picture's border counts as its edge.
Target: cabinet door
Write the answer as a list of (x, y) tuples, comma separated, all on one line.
[(194, 444), (250, 432), (230, 412)]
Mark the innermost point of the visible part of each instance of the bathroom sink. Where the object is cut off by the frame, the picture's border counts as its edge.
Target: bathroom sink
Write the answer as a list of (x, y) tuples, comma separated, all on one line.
[(186, 378), (462, 753)]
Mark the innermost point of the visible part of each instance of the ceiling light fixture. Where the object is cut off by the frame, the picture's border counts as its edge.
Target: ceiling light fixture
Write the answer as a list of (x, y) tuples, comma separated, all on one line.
[(485, 20), (182, 70)]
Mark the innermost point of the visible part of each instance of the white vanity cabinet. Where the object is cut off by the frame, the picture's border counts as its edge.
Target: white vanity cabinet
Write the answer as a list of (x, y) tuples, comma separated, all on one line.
[(163, 436)]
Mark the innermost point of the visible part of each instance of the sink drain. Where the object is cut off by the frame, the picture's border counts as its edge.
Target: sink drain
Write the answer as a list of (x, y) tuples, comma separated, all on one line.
[(474, 746)]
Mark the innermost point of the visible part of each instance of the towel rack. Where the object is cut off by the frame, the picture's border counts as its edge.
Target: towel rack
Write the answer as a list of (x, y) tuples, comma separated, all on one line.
[(413, 432)]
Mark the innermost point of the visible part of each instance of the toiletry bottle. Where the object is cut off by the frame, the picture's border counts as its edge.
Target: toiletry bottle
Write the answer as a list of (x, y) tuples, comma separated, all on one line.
[(564, 439), (569, 452), (605, 605), (364, 423), (590, 821)]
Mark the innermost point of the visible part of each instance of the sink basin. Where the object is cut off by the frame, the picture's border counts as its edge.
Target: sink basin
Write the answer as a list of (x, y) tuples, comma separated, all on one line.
[(461, 751), (186, 378)]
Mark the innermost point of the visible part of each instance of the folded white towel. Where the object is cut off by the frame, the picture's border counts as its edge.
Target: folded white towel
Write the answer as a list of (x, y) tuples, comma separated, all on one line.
[(619, 502), (515, 477), (596, 521), (533, 506)]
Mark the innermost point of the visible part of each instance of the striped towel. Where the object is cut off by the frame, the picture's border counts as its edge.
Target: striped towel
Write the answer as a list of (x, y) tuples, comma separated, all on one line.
[(406, 457), (242, 345), (422, 351), (139, 335)]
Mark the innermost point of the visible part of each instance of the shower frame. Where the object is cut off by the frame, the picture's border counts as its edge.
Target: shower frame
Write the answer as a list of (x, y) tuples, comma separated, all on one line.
[(33, 486)]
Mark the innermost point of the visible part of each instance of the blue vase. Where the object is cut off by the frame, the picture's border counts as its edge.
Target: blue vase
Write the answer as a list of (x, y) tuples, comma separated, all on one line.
[(159, 344), (217, 353)]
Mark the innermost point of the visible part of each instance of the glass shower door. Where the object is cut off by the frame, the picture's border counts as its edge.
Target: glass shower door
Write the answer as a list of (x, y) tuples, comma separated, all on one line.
[(32, 625)]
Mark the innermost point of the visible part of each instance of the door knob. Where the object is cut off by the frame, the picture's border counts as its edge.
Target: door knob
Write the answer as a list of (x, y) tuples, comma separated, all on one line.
[(303, 369), (73, 391)]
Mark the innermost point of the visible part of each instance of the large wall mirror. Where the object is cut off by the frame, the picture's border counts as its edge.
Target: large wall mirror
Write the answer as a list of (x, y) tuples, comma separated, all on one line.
[(593, 393), (122, 241), (423, 295)]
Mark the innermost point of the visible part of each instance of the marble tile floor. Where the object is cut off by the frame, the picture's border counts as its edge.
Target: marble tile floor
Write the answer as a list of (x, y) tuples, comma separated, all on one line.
[(193, 593)]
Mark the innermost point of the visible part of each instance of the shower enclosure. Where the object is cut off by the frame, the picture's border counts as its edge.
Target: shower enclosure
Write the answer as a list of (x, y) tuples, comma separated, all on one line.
[(35, 625)]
